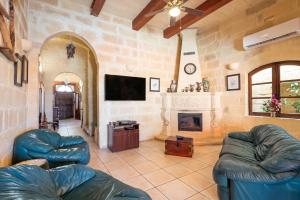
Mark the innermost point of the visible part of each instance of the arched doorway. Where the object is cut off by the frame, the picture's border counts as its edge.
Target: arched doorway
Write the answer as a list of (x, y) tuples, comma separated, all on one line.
[(57, 68), (67, 91)]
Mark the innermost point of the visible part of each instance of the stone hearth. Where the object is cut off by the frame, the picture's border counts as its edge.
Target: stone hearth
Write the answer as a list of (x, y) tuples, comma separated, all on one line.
[(206, 103)]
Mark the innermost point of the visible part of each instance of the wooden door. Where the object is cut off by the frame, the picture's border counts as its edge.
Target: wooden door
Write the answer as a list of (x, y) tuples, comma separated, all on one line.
[(133, 138), (65, 102), (119, 140)]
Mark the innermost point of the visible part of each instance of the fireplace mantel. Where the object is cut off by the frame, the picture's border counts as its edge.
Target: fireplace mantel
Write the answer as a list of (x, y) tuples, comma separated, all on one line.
[(206, 103)]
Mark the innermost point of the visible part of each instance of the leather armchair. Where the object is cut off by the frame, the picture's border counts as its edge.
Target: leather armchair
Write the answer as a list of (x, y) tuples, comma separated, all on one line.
[(50, 145), (71, 182), (259, 165)]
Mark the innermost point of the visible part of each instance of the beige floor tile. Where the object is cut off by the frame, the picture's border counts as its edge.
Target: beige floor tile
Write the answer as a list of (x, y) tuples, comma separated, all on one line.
[(211, 193), (155, 194), (210, 158), (197, 181), (139, 182), (127, 153), (98, 166), (106, 157), (176, 190), (134, 159), (124, 173), (158, 177), (207, 172), (115, 164), (163, 162), (178, 159), (123, 164), (198, 197), (195, 164), (178, 170), (146, 167)]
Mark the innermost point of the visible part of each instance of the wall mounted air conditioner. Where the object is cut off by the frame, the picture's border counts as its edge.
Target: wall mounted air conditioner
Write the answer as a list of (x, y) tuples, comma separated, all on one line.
[(276, 33)]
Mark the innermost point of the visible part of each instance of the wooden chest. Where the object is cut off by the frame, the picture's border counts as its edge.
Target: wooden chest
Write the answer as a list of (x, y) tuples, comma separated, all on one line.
[(182, 147)]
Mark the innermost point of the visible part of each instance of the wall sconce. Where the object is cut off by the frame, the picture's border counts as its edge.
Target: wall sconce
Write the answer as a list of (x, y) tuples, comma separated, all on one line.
[(26, 45), (233, 66)]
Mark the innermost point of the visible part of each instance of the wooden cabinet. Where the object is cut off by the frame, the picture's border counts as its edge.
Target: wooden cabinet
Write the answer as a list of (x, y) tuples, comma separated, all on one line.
[(123, 137)]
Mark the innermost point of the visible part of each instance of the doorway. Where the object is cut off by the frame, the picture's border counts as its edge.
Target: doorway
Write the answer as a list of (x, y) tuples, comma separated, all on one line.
[(70, 81), (67, 89)]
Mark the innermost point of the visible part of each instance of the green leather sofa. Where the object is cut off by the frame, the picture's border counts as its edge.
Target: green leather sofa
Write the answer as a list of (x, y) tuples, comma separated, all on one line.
[(262, 164), (58, 150), (70, 182)]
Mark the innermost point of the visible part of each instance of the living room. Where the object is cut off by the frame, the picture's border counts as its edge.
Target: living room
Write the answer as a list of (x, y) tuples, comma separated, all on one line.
[(220, 76)]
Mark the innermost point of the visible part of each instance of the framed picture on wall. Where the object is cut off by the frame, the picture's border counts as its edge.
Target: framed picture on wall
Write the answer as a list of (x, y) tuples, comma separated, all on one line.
[(154, 84), (25, 69), (18, 71), (233, 82)]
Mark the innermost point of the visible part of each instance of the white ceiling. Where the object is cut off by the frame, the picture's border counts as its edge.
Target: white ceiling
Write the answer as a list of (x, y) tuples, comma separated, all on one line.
[(131, 8)]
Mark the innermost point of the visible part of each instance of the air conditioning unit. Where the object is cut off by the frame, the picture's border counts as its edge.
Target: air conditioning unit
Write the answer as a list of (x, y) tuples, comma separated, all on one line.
[(276, 33)]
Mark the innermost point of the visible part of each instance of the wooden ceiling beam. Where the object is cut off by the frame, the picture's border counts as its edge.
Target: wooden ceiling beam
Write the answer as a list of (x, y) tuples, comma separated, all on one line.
[(96, 7), (141, 19), (208, 7)]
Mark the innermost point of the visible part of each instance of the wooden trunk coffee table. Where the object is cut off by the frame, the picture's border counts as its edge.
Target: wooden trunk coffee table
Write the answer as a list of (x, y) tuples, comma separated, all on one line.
[(182, 147)]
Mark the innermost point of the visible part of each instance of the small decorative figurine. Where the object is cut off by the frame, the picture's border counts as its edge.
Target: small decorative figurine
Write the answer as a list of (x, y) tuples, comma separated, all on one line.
[(198, 88), (205, 84), (173, 86)]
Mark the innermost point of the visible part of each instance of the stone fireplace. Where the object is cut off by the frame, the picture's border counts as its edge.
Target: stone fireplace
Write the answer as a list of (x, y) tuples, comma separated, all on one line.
[(189, 121), (191, 114), (201, 116)]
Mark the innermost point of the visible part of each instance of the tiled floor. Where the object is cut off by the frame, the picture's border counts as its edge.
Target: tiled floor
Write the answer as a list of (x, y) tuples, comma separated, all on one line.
[(148, 168)]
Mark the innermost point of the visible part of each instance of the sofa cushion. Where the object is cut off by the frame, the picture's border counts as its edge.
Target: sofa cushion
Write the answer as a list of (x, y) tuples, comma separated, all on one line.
[(265, 137), (238, 148), (283, 161), (69, 177), (105, 187), (26, 182)]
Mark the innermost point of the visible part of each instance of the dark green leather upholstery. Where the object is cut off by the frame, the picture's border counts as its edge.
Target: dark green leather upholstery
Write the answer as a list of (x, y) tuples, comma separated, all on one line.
[(71, 182), (261, 164), (50, 145)]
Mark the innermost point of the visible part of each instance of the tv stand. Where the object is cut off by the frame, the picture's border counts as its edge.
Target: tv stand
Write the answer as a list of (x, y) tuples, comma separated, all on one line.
[(122, 137)]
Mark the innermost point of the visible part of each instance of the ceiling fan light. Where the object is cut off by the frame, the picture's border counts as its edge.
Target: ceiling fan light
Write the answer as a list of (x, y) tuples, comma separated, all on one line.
[(175, 11)]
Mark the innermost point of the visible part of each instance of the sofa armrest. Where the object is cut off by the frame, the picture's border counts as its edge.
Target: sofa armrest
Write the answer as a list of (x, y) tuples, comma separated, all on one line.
[(244, 136), (70, 140), (237, 169), (69, 177)]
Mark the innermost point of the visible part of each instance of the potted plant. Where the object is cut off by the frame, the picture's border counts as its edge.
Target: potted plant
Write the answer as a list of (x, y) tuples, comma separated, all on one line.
[(272, 106)]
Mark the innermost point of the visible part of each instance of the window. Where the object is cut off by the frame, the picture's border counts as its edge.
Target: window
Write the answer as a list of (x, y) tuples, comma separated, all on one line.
[(281, 79), (64, 88)]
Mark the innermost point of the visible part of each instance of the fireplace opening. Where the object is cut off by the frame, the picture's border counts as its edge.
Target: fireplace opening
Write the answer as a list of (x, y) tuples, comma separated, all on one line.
[(189, 121)]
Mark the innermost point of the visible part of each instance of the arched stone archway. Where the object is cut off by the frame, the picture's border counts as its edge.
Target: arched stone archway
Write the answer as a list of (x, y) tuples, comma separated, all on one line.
[(80, 39)]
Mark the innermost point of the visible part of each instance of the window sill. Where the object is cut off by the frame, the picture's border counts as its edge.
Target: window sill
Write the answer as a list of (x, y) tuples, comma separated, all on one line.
[(280, 118)]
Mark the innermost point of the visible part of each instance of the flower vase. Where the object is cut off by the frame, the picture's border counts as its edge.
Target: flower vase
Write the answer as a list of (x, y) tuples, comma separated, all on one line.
[(273, 114)]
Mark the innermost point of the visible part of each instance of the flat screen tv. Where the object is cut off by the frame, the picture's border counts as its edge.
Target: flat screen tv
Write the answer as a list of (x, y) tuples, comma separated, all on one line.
[(124, 88)]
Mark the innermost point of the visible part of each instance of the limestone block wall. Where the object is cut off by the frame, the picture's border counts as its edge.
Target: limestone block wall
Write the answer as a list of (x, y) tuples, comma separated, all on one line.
[(222, 45), (12, 99), (119, 50)]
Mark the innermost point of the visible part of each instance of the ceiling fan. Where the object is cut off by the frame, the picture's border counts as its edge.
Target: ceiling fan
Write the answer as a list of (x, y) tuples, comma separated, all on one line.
[(175, 7)]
